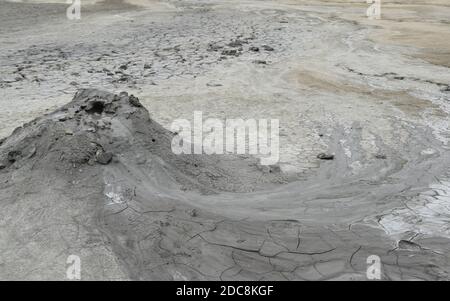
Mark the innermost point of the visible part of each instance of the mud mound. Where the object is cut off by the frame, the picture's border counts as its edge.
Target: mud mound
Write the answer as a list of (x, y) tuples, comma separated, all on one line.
[(97, 179), (72, 181), (99, 127)]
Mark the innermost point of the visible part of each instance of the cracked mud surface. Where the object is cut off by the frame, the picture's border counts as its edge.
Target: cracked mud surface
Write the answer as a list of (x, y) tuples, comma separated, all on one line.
[(338, 83)]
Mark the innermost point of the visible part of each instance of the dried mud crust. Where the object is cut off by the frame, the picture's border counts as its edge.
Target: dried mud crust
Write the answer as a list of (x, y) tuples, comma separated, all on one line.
[(96, 178), (259, 59)]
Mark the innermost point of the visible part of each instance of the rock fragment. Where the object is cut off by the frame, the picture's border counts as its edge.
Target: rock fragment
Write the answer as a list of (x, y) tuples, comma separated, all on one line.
[(409, 245), (193, 212), (268, 48), (13, 156), (103, 158), (236, 43), (134, 101), (260, 62), (324, 156), (230, 52), (381, 156)]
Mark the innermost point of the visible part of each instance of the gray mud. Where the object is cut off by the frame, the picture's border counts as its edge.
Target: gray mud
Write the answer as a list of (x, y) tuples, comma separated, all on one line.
[(97, 178), (94, 175)]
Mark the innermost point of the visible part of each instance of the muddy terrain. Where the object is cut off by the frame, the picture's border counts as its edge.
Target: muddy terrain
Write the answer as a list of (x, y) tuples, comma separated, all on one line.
[(86, 169)]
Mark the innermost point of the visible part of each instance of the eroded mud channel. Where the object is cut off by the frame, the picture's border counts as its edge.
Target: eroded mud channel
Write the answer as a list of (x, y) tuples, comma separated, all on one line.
[(92, 173)]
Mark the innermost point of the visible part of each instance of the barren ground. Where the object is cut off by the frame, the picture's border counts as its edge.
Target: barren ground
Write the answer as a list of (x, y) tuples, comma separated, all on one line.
[(375, 93)]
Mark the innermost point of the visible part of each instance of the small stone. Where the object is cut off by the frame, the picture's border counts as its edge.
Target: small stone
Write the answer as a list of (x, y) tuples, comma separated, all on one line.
[(260, 62), (381, 156), (323, 156), (123, 78), (13, 156), (230, 52), (408, 245), (2, 166), (212, 47), (134, 101), (147, 66), (254, 49), (68, 132), (123, 67), (193, 213), (104, 157), (267, 48), (236, 43)]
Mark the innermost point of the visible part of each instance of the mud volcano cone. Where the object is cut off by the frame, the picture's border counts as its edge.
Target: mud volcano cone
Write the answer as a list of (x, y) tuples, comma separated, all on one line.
[(85, 178)]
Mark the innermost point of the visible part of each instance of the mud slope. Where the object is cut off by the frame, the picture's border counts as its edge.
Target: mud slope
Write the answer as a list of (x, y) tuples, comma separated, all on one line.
[(65, 169), (96, 178)]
